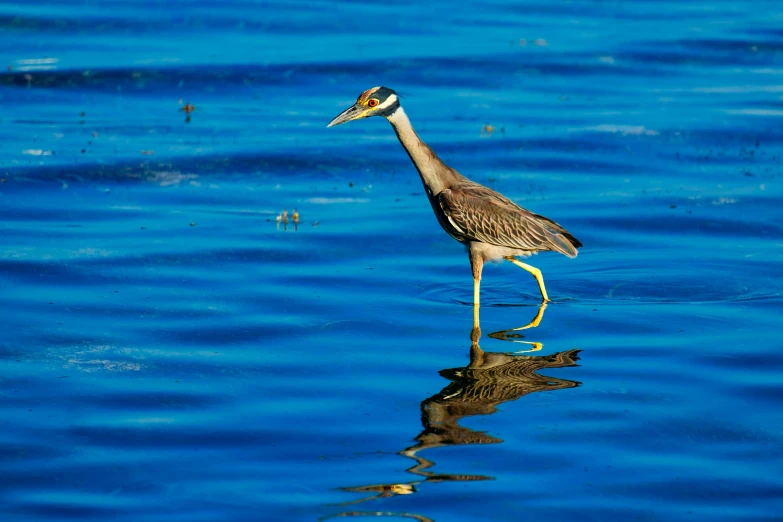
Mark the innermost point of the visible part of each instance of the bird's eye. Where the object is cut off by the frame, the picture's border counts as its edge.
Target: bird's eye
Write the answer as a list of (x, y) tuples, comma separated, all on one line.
[(372, 102)]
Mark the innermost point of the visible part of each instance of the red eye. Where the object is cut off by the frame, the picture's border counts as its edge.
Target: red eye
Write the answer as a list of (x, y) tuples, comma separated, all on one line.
[(372, 102)]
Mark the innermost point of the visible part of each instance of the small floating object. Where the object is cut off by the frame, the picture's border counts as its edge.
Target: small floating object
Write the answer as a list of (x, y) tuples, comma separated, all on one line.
[(295, 216), (188, 108)]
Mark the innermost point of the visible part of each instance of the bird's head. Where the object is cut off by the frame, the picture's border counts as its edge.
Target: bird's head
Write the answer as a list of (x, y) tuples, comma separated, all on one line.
[(378, 101)]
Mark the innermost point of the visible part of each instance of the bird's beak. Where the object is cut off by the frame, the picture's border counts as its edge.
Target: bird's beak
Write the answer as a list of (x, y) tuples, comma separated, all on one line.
[(351, 113)]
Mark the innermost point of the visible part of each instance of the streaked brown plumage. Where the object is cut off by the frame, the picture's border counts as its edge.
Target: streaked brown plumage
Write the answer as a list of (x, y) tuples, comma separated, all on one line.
[(489, 217), (490, 225)]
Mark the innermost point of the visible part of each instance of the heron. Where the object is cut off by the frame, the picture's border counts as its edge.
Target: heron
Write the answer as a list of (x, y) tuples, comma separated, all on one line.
[(488, 224)]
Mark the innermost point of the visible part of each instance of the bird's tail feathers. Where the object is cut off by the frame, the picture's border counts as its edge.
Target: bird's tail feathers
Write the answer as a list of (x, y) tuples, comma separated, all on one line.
[(561, 239), (560, 243)]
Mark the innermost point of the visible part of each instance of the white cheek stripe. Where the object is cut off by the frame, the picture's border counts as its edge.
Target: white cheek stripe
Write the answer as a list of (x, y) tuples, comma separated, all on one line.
[(389, 101)]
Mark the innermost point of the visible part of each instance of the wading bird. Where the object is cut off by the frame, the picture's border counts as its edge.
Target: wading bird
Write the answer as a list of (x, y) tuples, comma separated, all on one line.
[(490, 225)]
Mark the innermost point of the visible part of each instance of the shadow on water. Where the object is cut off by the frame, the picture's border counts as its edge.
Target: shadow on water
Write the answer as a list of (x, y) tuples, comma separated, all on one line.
[(488, 380)]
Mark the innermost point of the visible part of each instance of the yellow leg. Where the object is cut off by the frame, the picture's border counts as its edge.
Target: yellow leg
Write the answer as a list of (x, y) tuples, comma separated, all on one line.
[(534, 347), (536, 273), (536, 320), (476, 298), (476, 265), (506, 335)]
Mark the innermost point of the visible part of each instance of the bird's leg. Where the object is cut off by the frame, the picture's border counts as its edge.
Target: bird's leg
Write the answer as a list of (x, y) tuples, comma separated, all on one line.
[(476, 264), (536, 273), (535, 347), (503, 335), (476, 305), (536, 320), (532, 324)]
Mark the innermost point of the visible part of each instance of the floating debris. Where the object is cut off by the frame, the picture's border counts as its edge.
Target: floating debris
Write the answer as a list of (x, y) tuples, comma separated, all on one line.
[(188, 108)]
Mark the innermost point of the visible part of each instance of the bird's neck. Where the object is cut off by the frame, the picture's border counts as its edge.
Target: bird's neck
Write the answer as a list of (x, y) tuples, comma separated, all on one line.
[(435, 175)]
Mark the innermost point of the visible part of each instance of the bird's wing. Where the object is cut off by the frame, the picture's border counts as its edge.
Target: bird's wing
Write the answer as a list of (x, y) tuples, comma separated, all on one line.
[(484, 215)]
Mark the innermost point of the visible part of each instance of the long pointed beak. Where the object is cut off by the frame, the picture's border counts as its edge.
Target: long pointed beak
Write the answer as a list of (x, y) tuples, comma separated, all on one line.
[(351, 113)]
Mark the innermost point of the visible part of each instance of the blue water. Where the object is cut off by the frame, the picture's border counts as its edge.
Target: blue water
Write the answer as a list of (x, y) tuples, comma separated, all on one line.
[(169, 351)]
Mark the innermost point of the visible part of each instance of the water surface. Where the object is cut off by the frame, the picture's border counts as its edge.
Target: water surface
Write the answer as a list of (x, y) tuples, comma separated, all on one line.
[(171, 352)]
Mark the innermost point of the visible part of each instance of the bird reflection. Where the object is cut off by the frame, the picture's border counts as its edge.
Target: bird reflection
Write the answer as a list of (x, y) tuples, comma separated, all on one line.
[(489, 379)]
